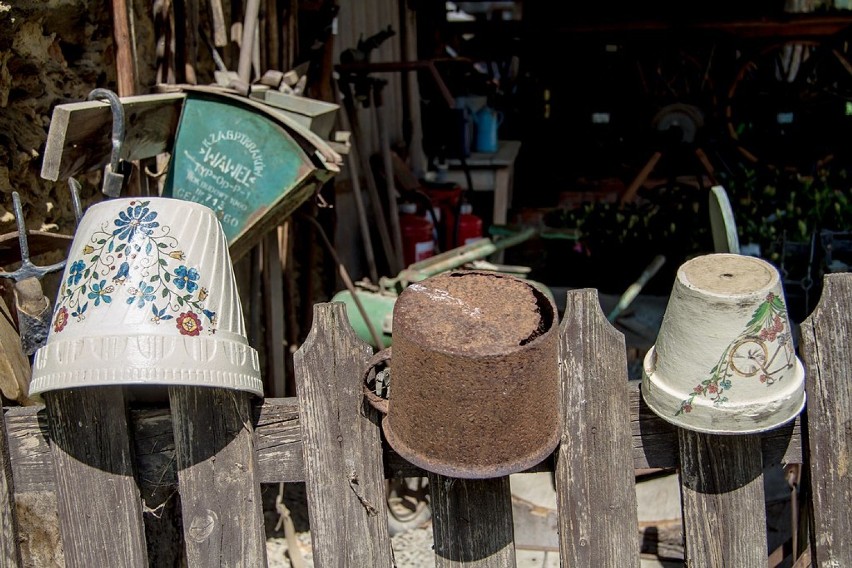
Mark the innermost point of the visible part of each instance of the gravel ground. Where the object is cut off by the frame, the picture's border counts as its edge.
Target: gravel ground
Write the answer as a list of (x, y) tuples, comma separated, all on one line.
[(411, 549)]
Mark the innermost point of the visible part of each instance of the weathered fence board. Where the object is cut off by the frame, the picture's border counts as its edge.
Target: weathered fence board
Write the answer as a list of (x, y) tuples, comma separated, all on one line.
[(594, 472), (217, 475), (827, 355), (100, 509), (217, 447), (724, 514), (472, 522), (79, 139), (10, 553), (28, 435), (341, 445), (279, 445)]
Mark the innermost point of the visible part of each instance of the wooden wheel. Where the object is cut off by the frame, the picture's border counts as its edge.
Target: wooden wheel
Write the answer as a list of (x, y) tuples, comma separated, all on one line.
[(789, 106)]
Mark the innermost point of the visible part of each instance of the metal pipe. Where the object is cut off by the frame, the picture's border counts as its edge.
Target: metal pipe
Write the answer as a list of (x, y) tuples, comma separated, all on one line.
[(347, 281)]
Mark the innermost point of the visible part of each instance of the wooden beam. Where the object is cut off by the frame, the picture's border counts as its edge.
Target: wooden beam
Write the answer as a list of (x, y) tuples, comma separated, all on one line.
[(278, 444), (79, 139), (793, 26)]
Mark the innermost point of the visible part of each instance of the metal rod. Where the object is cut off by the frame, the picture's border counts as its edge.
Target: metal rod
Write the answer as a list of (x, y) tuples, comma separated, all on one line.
[(347, 281), (75, 188), (22, 228)]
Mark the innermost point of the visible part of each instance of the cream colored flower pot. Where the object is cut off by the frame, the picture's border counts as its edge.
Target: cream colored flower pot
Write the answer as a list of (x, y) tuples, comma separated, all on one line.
[(148, 297), (724, 360)]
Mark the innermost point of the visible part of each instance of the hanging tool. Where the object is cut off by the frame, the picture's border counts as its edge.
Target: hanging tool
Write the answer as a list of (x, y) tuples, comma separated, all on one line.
[(32, 305), (117, 171), (33, 309), (359, 86), (352, 161), (387, 161)]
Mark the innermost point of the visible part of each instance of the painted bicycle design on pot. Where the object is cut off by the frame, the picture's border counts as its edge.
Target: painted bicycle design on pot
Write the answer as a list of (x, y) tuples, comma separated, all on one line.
[(136, 260), (763, 350)]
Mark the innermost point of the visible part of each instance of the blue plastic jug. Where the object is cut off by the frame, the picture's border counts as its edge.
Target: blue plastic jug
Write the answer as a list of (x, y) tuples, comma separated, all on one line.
[(487, 120)]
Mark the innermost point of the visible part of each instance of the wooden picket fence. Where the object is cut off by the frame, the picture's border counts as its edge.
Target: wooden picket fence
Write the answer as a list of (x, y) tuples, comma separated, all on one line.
[(117, 474)]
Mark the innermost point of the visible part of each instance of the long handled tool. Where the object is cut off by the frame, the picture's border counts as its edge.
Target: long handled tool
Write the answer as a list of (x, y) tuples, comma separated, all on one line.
[(33, 309), (387, 161), (633, 290)]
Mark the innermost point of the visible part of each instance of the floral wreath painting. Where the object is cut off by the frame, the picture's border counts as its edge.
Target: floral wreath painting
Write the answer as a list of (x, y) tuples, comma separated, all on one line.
[(749, 355), (135, 243)]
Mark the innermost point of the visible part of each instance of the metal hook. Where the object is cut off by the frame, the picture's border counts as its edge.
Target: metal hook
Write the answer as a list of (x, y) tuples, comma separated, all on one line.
[(27, 269), (75, 188), (114, 173)]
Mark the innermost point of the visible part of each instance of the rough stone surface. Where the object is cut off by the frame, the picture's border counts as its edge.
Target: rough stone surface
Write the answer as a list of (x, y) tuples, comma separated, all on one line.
[(53, 52)]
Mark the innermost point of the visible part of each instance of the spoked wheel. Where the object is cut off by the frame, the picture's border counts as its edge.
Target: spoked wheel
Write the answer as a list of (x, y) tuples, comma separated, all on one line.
[(790, 105), (408, 504)]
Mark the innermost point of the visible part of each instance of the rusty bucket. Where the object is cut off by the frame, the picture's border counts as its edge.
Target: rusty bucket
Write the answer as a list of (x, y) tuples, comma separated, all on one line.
[(474, 376)]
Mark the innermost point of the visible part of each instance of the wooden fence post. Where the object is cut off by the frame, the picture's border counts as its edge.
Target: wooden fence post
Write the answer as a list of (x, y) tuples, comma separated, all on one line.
[(100, 508), (341, 445), (217, 477), (724, 509), (827, 354), (594, 465), (472, 522), (10, 552)]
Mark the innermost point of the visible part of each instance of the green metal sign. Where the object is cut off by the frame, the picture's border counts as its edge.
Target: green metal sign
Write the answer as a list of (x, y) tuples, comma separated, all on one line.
[(241, 163)]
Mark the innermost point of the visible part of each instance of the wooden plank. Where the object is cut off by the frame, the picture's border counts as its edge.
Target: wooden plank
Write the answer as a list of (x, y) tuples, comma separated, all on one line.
[(100, 509), (217, 474), (826, 344), (593, 467), (28, 435), (80, 135), (273, 284), (342, 447), (10, 552), (279, 446), (472, 522), (724, 511)]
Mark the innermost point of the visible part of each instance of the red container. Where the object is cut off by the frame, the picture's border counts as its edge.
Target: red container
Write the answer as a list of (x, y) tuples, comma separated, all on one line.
[(470, 226), (445, 200), (417, 234)]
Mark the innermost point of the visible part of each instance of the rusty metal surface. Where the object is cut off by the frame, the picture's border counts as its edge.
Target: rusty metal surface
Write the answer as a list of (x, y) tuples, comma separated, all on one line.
[(474, 389)]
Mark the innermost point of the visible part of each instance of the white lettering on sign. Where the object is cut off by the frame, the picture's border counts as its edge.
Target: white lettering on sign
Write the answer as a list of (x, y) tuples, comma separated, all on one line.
[(244, 140)]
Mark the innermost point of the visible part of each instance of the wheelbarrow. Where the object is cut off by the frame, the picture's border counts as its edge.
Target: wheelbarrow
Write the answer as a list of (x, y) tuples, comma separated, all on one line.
[(370, 306)]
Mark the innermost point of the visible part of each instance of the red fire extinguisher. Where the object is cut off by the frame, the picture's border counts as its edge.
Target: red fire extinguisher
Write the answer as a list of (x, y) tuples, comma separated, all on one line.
[(469, 225), (418, 241)]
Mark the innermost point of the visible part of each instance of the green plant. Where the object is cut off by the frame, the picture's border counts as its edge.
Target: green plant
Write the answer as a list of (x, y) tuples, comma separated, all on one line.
[(773, 207)]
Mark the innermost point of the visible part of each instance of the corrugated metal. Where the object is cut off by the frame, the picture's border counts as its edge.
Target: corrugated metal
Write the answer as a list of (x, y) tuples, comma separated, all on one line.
[(358, 18)]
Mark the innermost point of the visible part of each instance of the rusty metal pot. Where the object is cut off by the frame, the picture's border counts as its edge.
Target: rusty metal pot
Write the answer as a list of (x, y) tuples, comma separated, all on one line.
[(474, 388)]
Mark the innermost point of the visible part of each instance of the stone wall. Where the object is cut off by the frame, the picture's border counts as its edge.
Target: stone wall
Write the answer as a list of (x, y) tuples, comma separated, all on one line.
[(53, 52)]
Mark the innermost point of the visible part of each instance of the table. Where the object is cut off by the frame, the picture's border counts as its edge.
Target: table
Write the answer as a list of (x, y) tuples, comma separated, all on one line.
[(490, 172)]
